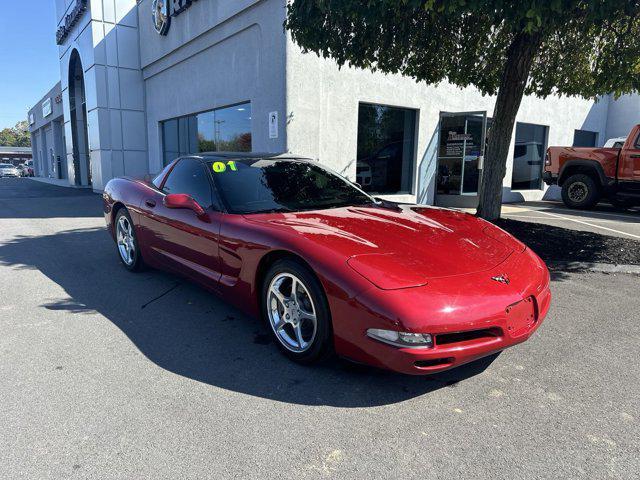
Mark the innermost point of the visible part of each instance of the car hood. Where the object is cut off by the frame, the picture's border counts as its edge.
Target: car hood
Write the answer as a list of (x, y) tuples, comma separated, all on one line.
[(401, 247)]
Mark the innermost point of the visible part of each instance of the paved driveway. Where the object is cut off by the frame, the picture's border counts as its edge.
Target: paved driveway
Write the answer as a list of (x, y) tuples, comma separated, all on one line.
[(106, 374), (603, 219)]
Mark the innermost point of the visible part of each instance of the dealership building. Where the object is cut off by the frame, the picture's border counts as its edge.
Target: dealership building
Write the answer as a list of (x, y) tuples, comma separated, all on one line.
[(145, 82)]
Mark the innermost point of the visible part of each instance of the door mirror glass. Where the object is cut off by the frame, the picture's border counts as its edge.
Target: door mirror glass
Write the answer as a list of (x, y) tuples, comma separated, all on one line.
[(183, 201)]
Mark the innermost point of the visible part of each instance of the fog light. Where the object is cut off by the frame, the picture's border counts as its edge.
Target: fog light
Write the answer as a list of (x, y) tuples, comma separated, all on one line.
[(401, 339)]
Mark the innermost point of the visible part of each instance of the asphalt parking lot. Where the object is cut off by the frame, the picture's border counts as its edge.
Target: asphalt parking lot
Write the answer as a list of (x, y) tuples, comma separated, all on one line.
[(107, 374)]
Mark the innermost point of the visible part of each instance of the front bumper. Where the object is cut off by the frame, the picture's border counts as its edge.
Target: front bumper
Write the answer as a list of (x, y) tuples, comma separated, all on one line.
[(473, 345), (469, 317), (549, 178)]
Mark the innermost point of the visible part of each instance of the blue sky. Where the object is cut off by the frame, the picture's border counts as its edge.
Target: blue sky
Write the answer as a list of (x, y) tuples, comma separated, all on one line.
[(29, 62)]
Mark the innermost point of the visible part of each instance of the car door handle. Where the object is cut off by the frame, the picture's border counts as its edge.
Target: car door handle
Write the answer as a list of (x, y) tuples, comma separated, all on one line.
[(150, 203)]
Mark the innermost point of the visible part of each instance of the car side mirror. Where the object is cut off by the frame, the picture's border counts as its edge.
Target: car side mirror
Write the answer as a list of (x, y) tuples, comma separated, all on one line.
[(183, 201)]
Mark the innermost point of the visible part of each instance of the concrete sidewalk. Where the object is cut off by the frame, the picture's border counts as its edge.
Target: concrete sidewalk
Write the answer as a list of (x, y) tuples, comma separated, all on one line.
[(57, 182)]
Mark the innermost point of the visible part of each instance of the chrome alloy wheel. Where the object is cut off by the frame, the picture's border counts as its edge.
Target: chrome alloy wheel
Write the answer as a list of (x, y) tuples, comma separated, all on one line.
[(577, 192), (126, 245), (291, 312)]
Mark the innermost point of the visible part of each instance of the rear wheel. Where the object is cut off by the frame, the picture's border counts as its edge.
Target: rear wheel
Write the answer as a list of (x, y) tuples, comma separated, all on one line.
[(127, 243), (295, 306), (580, 191)]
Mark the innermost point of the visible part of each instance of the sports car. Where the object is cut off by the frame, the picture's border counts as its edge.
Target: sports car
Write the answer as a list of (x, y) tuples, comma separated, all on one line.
[(330, 269)]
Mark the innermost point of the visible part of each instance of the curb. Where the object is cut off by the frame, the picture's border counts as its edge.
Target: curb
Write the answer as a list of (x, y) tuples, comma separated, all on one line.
[(595, 267)]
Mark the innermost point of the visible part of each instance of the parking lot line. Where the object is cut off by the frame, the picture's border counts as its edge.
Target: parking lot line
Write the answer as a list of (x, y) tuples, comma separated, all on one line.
[(523, 215), (637, 237), (593, 215)]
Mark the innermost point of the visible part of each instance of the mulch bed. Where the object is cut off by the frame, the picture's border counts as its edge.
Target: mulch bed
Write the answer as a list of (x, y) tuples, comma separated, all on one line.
[(556, 245)]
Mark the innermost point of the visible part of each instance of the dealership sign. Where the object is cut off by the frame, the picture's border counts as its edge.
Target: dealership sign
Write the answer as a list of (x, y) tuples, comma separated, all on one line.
[(163, 10), (70, 20)]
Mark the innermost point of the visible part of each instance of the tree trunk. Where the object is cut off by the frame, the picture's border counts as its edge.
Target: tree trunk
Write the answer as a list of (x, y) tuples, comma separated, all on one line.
[(514, 79)]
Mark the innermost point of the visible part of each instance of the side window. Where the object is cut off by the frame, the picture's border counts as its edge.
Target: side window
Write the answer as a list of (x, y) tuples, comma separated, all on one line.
[(190, 177), (157, 181), (637, 145)]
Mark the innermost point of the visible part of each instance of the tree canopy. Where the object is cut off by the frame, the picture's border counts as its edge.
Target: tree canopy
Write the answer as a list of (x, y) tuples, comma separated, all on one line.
[(587, 47), (17, 136)]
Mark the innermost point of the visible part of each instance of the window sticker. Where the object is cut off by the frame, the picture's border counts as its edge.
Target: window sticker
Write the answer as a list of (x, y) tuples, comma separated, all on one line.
[(221, 167)]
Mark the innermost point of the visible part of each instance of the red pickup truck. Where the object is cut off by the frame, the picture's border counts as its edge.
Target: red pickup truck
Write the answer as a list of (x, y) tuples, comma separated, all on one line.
[(588, 175)]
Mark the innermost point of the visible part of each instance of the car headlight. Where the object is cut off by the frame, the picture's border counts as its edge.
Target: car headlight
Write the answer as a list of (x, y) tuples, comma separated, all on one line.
[(401, 339)]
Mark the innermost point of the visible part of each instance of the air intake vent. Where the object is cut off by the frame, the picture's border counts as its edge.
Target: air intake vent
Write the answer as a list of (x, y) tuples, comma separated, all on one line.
[(469, 336)]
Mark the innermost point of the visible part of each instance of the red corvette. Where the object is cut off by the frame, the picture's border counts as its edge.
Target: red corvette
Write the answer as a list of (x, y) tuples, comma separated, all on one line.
[(332, 270)]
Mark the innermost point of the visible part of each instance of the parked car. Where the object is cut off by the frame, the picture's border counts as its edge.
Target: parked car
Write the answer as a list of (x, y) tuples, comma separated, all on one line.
[(23, 169), (588, 175), (617, 142), (330, 269), (527, 164), (385, 167), (29, 165), (9, 170)]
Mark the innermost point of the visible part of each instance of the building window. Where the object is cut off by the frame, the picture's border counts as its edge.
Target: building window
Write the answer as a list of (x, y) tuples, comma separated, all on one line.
[(386, 149), (222, 130), (528, 156), (585, 138)]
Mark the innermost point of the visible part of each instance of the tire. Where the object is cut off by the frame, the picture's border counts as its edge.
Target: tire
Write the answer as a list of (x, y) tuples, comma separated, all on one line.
[(580, 191), (316, 344), (128, 250)]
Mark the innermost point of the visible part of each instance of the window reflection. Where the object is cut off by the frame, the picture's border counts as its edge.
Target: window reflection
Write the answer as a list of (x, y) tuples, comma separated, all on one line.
[(528, 156), (386, 148), (221, 130)]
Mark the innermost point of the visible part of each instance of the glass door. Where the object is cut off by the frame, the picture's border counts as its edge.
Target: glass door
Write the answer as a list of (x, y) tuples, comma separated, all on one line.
[(461, 148)]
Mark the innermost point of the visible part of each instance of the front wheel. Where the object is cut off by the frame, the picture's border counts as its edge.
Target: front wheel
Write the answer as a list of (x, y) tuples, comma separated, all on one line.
[(295, 306), (580, 191), (127, 243)]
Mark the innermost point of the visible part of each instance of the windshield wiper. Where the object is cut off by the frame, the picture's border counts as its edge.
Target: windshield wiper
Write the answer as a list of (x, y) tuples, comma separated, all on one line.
[(274, 210)]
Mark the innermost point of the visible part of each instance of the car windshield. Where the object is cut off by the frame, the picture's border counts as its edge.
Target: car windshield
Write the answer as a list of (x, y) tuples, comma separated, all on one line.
[(260, 186)]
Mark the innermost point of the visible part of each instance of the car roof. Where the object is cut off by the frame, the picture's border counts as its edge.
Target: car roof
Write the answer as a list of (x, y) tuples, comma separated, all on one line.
[(251, 156)]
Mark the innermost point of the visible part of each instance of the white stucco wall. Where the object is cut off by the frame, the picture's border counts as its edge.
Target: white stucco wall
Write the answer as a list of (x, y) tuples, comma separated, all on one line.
[(623, 115)]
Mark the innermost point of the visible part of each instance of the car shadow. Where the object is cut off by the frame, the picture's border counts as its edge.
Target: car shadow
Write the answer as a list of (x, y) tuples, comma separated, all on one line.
[(186, 330)]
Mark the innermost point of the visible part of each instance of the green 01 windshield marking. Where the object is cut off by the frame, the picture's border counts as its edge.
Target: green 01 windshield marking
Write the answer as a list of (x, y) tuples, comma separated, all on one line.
[(221, 167)]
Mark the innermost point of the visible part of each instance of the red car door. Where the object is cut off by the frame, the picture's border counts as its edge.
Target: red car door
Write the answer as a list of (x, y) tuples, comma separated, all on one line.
[(179, 239), (629, 170)]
